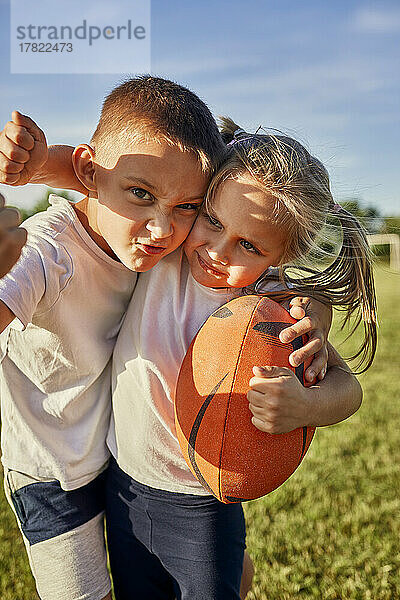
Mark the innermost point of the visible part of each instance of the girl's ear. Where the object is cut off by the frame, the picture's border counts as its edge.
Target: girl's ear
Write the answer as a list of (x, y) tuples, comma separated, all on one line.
[(84, 166)]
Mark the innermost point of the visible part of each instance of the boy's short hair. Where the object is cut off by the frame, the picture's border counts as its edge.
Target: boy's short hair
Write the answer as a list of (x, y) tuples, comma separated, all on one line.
[(148, 108)]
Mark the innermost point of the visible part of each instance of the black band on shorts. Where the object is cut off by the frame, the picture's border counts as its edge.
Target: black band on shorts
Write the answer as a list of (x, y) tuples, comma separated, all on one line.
[(46, 511)]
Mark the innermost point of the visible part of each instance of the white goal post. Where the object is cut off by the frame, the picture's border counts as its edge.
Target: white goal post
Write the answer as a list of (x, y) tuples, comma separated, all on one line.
[(391, 239)]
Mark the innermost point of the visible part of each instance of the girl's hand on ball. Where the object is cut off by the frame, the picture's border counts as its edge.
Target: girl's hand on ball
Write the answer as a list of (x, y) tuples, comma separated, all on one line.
[(315, 319), (23, 150), (12, 237), (277, 400)]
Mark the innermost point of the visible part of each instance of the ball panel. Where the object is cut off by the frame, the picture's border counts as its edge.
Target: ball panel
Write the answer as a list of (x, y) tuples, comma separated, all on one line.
[(195, 424), (265, 461), (224, 333)]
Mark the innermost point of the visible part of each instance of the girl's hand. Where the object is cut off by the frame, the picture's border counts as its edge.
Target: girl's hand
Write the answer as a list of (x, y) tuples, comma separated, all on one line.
[(315, 319), (23, 150), (277, 400), (12, 237)]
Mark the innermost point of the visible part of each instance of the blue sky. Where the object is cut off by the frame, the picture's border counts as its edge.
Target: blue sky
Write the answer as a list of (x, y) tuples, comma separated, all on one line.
[(326, 73)]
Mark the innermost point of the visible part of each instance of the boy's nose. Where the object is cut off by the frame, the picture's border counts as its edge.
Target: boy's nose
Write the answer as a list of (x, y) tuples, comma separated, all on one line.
[(160, 228)]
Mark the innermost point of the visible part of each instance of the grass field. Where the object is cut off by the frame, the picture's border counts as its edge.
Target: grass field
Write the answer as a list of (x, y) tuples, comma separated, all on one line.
[(333, 530)]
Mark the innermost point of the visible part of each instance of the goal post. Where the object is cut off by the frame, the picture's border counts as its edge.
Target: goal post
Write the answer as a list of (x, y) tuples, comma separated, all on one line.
[(391, 239)]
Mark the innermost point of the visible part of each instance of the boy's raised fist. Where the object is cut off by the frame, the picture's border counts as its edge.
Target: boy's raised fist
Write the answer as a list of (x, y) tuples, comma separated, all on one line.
[(12, 237), (23, 150)]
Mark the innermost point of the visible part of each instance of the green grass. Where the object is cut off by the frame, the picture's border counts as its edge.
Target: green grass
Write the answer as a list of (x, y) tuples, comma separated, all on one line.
[(333, 530), (16, 581)]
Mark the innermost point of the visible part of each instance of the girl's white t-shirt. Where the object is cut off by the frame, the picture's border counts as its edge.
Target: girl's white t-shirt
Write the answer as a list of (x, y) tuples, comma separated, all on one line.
[(69, 298), (167, 309)]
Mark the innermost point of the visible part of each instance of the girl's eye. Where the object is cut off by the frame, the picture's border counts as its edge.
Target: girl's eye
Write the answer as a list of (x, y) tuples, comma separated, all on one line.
[(248, 246), (189, 206), (141, 193)]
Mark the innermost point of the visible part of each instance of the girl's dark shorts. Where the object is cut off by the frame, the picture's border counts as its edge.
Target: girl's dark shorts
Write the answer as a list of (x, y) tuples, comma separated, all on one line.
[(165, 545)]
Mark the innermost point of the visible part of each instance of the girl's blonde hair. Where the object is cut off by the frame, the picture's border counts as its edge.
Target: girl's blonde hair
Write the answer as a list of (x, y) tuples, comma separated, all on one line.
[(304, 205)]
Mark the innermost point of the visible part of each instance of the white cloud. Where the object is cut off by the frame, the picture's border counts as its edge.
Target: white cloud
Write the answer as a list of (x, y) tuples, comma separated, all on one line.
[(376, 20)]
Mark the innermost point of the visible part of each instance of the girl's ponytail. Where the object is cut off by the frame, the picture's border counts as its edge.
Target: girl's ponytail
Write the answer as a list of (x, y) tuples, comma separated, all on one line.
[(230, 131), (348, 284), (352, 275)]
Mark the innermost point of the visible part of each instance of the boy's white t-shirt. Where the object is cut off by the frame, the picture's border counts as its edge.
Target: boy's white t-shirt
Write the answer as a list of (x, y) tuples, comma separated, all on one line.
[(69, 298), (167, 309)]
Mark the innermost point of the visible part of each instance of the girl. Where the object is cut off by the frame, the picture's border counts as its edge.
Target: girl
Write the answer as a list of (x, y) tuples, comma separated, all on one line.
[(167, 537)]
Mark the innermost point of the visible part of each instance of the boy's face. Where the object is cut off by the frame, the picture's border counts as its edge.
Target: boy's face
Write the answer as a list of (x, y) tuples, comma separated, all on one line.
[(148, 201), (238, 239)]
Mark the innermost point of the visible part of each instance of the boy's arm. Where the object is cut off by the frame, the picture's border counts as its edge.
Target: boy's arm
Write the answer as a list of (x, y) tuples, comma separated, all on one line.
[(25, 157), (58, 172), (335, 398), (315, 319), (12, 240), (25, 284), (12, 237), (279, 402)]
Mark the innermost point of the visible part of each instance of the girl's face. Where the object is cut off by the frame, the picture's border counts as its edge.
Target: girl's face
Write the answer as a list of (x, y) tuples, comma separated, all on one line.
[(233, 244)]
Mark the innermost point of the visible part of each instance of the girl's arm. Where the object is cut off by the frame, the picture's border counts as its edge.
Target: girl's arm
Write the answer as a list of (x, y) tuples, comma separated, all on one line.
[(25, 157), (279, 402)]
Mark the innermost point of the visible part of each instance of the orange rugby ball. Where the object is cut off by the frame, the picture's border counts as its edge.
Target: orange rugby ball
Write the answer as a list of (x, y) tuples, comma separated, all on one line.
[(230, 457)]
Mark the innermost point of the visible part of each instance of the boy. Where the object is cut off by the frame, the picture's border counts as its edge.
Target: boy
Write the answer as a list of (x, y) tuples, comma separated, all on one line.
[(152, 134), (69, 291)]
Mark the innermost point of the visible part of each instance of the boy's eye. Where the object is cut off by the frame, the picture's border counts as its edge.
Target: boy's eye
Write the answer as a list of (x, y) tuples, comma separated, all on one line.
[(248, 246), (141, 193)]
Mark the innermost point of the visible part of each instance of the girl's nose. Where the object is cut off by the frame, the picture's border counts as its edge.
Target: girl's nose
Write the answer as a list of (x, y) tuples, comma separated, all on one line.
[(218, 255)]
